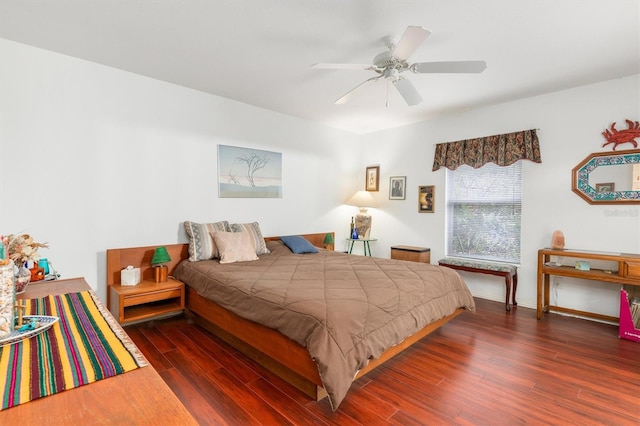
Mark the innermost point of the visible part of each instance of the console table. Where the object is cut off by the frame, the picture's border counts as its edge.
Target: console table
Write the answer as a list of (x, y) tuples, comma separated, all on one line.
[(625, 269), (136, 397)]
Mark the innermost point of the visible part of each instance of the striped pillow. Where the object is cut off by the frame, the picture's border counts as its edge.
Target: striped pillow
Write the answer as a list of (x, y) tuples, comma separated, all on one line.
[(256, 235), (201, 243)]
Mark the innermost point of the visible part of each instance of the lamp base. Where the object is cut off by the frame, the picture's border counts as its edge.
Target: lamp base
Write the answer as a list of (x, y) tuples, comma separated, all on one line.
[(363, 225), (160, 273)]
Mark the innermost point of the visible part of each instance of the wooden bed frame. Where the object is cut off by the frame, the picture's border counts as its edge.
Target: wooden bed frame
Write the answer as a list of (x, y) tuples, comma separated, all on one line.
[(268, 347)]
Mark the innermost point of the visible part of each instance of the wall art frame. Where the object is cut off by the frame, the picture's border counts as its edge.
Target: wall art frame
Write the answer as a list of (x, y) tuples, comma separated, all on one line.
[(605, 187), (249, 173), (426, 199), (397, 187), (372, 178)]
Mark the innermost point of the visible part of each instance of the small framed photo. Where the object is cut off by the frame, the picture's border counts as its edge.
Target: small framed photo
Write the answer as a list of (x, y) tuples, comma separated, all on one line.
[(426, 199), (397, 187), (605, 187), (372, 182)]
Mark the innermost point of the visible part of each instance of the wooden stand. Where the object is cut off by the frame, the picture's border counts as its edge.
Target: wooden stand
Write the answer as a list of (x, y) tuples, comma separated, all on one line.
[(411, 253), (150, 298), (625, 269)]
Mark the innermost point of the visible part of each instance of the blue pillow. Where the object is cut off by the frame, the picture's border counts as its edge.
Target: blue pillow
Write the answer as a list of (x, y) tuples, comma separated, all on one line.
[(298, 244)]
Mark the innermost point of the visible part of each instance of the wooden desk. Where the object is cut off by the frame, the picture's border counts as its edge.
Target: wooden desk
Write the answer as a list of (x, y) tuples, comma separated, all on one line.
[(625, 269), (136, 397)]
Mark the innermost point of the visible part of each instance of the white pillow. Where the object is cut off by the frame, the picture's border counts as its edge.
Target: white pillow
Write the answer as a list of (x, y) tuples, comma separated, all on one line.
[(235, 246)]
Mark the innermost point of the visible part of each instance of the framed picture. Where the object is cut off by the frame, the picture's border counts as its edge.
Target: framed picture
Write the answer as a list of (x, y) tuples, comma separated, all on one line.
[(426, 199), (372, 182), (249, 173), (397, 186), (605, 187)]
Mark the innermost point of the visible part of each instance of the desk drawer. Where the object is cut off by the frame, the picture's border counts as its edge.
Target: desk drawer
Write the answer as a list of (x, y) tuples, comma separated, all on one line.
[(632, 270)]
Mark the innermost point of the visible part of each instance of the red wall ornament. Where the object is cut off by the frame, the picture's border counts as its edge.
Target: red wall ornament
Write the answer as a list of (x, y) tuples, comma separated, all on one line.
[(617, 137)]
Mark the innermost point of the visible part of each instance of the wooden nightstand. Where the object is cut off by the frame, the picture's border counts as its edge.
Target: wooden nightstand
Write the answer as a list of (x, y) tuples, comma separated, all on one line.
[(146, 300)]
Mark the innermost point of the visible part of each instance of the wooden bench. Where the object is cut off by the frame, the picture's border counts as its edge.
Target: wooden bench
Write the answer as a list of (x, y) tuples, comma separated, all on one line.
[(509, 272)]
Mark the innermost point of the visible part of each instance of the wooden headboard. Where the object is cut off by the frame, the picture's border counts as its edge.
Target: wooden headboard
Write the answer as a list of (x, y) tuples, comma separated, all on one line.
[(315, 239), (140, 257)]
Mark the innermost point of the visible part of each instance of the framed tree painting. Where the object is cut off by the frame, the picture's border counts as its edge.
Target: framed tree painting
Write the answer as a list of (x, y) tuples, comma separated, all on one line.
[(426, 199), (372, 182), (249, 173)]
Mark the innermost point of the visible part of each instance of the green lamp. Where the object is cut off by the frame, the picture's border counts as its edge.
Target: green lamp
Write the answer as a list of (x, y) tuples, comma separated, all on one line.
[(328, 241), (160, 270)]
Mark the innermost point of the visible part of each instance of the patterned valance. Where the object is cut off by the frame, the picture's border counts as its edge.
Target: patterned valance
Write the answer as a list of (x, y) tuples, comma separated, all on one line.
[(502, 150)]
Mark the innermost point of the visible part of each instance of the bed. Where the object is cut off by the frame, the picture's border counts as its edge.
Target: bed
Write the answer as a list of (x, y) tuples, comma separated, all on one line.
[(290, 359), (321, 320)]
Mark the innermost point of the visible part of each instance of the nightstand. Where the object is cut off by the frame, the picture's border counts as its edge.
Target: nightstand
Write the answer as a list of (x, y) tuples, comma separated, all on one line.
[(147, 300)]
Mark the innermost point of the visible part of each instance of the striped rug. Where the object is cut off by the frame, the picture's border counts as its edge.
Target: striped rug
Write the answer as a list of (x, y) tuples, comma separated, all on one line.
[(86, 345)]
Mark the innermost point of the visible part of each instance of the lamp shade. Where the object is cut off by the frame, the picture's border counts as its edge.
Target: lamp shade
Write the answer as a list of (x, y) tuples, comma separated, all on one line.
[(328, 239), (362, 199), (160, 256)]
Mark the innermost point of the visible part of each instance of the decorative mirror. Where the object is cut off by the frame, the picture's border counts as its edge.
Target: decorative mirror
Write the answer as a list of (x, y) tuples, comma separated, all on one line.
[(608, 177)]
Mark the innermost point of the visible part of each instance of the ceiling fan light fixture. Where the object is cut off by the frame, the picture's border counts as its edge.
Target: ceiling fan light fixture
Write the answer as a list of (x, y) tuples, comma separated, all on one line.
[(390, 64)]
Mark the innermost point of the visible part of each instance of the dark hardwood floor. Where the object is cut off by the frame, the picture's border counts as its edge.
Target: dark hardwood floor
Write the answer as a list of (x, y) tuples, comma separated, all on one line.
[(489, 368)]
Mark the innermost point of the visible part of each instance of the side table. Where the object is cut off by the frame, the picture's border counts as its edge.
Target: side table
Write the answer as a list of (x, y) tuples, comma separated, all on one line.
[(365, 244), (146, 300)]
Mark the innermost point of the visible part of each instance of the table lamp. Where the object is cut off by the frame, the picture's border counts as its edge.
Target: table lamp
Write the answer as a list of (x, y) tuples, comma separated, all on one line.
[(160, 270), (328, 241), (363, 200)]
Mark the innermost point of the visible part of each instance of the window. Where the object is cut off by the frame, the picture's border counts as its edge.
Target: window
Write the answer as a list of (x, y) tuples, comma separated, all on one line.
[(484, 212)]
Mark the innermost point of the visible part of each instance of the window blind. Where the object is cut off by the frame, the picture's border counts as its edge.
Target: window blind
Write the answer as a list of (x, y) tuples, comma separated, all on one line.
[(484, 208)]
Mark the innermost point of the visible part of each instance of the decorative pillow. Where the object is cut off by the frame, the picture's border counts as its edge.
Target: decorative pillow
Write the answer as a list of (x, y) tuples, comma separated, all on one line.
[(235, 247), (298, 244), (253, 229), (201, 244)]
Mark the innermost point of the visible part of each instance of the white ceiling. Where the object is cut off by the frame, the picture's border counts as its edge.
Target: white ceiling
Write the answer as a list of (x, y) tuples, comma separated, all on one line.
[(259, 52)]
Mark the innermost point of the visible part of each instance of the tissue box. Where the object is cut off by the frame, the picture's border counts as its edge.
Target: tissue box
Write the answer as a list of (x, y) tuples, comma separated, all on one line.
[(583, 265), (130, 276)]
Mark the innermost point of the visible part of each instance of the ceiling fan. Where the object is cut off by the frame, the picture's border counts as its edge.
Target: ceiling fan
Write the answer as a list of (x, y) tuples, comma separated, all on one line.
[(391, 63)]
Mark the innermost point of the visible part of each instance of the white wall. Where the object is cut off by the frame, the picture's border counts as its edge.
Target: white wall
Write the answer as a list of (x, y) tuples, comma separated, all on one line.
[(570, 125), (96, 158)]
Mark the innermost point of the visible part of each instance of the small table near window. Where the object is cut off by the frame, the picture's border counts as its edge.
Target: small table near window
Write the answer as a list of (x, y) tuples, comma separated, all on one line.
[(365, 243)]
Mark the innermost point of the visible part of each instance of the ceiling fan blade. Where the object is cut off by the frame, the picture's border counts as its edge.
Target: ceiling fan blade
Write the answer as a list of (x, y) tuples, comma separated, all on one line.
[(408, 91), (412, 38), (449, 67), (347, 96), (331, 66)]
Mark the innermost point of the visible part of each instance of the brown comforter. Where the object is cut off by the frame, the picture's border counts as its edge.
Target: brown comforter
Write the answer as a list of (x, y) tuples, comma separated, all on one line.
[(344, 309)]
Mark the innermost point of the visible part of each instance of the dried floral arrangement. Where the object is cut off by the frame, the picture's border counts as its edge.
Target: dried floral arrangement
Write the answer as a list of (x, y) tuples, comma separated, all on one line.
[(20, 248)]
